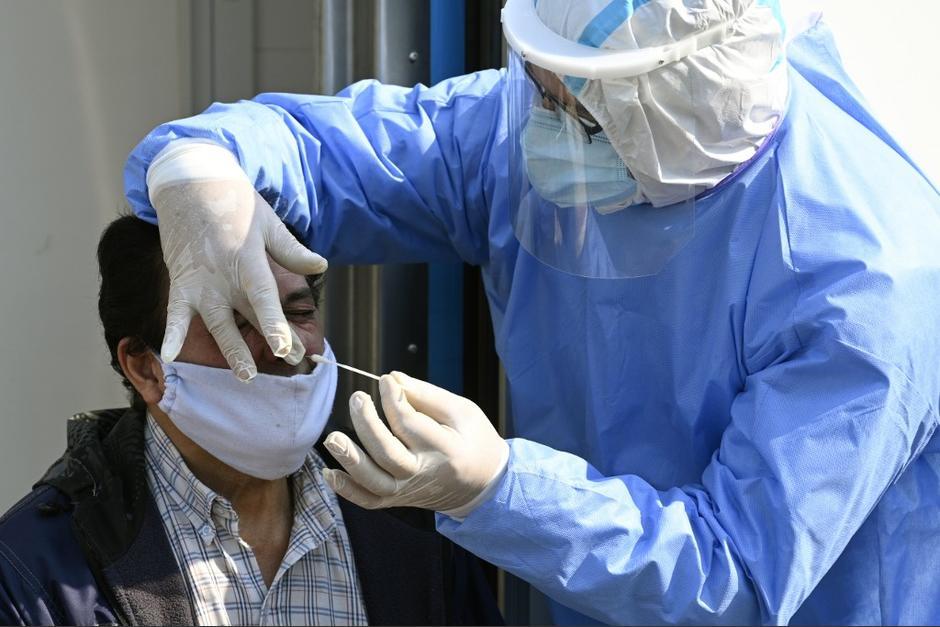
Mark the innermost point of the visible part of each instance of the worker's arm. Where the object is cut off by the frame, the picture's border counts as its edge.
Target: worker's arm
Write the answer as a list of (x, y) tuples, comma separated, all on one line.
[(839, 399), (796, 475), (831, 413), (376, 174)]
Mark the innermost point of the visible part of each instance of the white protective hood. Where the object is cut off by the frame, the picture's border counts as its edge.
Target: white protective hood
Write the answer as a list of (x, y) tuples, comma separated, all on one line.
[(683, 127)]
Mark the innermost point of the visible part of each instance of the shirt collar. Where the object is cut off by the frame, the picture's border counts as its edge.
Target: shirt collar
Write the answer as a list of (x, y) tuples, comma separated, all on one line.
[(187, 493), (315, 503)]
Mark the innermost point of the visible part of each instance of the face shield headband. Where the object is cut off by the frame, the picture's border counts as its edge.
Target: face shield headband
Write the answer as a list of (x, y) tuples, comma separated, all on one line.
[(615, 102)]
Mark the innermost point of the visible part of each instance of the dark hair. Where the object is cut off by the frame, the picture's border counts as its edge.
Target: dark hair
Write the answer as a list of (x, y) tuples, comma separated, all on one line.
[(134, 290)]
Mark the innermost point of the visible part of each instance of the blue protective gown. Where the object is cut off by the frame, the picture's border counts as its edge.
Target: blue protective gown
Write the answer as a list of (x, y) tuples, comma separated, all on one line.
[(746, 437)]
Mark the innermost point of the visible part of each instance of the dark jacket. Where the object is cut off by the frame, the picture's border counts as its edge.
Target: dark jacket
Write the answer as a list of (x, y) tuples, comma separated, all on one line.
[(87, 546)]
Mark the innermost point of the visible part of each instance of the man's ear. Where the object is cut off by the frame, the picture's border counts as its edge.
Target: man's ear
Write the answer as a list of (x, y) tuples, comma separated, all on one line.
[(143, 370)]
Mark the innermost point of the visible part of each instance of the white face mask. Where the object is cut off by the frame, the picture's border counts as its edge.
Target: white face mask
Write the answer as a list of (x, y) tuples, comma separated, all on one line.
[(264, 428), (568, 171)]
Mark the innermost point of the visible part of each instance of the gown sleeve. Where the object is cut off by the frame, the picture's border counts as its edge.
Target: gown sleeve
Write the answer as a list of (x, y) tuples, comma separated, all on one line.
[(376, 174)]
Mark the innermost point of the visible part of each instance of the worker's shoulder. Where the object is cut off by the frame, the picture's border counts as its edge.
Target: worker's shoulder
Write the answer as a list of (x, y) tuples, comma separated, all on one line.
[(845, 190), (834, 155)]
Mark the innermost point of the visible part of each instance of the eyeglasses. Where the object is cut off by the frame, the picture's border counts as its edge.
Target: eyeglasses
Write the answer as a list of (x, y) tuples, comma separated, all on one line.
[(580, 115)]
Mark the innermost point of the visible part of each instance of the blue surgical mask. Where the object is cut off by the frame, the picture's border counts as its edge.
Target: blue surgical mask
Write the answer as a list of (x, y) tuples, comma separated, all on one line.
[(567, 170)]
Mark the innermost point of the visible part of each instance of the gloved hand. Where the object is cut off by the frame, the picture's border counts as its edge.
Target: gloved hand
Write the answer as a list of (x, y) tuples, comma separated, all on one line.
[(442, 453), (215, 231)]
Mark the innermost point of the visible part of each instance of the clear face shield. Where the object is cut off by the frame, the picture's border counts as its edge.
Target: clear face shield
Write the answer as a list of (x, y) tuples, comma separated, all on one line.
[(575, 204)]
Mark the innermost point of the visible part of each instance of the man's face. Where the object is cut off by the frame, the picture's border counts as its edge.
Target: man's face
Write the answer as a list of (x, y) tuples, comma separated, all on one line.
[(301, 312)]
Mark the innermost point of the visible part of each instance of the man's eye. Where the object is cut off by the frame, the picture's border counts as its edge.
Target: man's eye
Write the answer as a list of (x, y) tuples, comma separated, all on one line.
[(301, 313)]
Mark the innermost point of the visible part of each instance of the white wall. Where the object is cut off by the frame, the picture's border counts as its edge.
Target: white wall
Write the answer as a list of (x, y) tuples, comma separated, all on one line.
[(890, 50), (81, 83)]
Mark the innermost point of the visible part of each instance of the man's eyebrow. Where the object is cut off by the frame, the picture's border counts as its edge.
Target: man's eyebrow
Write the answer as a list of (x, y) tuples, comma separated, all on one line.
[(299, 294)]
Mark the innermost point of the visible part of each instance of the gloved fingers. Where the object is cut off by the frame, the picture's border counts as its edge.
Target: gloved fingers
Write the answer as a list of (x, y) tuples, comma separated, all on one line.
[(284, 247), (382, 446), (297, 350), (221, 324), (344, 486), (260, 288), (416, 428), (430, 399), (359, 465), (178, 316)]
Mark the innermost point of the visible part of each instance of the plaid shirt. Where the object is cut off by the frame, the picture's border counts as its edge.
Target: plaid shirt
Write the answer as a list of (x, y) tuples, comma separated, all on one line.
[(316, 583)]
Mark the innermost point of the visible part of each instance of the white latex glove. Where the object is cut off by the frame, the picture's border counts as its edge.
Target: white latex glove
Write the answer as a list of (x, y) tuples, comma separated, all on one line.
[(441, 454), (215, 230)]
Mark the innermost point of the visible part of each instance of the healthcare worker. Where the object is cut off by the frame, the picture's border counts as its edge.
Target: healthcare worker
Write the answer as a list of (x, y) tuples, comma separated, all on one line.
[(715, 285)]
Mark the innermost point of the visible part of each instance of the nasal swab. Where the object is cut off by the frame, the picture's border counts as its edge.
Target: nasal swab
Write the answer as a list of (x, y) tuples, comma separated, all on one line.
[(320, 359)]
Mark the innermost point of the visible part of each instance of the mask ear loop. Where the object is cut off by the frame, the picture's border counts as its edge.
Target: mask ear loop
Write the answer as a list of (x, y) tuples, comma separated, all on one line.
[(534, 41), (164, 367)]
